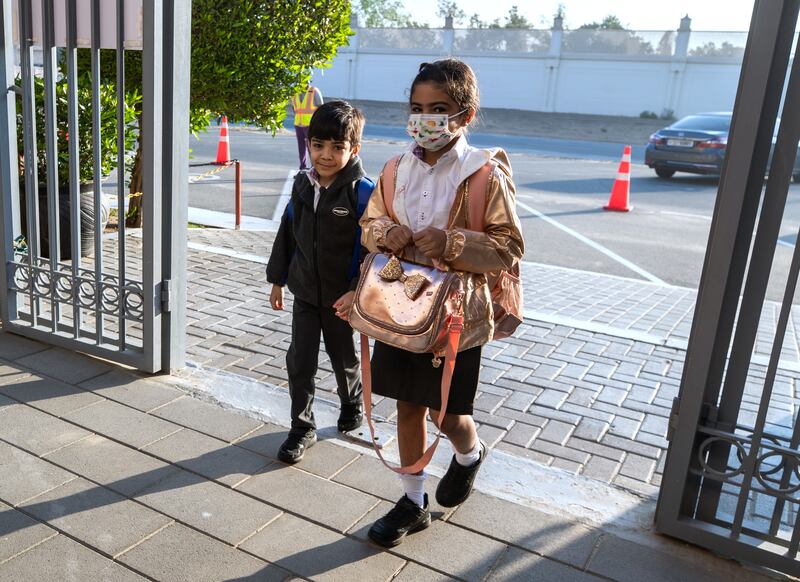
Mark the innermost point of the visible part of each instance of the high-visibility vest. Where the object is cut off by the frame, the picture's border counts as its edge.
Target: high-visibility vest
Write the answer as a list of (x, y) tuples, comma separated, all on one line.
[(304, 107)]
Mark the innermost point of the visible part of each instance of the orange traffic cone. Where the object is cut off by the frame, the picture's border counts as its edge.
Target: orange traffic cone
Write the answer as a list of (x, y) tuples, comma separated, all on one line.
[(224, 146), (622, 185)]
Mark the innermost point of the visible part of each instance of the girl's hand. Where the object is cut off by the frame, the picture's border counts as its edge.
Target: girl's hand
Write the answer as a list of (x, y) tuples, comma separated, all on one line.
[(276, 298), (431, 241), (398, 238), (343, 305)]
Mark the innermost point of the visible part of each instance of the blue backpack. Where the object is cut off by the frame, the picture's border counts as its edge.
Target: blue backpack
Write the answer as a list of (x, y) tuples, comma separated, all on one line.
[(364, 191)]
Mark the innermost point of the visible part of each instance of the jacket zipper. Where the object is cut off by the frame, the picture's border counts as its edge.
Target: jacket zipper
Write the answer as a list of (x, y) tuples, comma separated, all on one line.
[(316, 257)]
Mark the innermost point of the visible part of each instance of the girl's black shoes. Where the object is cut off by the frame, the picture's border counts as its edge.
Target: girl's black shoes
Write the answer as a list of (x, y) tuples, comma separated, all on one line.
[(456, 485), (404, 518)]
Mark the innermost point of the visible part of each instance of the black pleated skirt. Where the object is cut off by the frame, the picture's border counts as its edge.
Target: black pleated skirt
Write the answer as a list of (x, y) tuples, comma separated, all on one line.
[(411, 377)]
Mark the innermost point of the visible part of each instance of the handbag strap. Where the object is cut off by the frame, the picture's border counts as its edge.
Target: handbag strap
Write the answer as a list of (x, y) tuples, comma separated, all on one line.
[(454, 332)]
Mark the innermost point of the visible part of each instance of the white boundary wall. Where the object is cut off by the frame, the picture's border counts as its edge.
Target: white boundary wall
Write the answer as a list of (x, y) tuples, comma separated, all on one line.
[(547, 79)]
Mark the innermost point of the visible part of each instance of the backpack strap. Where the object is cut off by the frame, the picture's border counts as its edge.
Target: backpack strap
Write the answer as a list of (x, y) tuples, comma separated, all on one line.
[(389, 183), (477, 196), (364, 191)]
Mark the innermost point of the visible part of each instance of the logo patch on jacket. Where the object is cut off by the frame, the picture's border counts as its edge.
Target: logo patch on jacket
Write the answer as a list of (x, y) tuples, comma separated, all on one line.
[(339, 211)]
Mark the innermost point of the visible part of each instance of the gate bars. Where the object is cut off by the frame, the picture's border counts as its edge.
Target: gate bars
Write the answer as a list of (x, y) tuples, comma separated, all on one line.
[(721, 460), (125, 312)]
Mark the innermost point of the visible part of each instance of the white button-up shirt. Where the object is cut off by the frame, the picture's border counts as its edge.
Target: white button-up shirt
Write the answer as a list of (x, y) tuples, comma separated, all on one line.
[(313, 177), (428, 192)]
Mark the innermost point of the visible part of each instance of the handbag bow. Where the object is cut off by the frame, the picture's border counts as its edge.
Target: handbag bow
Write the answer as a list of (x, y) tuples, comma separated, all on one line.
[(412, 285)]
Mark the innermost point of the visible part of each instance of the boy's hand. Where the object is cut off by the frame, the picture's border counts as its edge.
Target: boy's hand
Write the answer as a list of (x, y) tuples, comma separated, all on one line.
[(431, 241), (276, 298), (343, 305), (398, 238)]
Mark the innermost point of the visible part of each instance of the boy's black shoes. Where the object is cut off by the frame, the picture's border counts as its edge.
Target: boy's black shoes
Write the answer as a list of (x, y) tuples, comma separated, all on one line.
[(350, 418), (295, 445), (456, 485), (404, 518)]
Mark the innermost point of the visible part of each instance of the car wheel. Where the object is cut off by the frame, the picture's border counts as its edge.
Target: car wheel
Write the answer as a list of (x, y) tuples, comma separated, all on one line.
[(796, 178), (664, 172)]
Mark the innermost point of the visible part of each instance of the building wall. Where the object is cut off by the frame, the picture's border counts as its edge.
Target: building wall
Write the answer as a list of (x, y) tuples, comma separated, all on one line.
[(544, 80)]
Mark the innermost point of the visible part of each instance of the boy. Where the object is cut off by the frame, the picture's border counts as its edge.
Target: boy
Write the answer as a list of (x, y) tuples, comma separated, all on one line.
[(312, 253)]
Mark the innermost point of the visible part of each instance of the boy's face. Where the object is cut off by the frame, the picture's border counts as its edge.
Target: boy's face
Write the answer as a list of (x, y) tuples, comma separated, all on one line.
[(329, 157)]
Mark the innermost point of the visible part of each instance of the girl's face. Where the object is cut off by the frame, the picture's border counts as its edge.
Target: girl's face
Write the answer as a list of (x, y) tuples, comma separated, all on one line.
[(429, 98)]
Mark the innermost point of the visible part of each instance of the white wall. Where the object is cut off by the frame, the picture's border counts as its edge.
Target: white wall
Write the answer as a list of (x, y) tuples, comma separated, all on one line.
[(603, 84)]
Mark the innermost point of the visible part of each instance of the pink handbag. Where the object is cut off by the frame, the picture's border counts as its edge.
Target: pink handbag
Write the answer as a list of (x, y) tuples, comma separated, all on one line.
[(412, 307), (505, 286)]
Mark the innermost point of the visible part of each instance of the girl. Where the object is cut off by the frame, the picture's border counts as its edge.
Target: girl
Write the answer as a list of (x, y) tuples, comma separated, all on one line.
[(431, 226)]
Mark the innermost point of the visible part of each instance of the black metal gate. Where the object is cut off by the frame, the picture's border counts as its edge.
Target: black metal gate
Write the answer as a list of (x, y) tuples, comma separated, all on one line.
[(119, 297), (732, 476)]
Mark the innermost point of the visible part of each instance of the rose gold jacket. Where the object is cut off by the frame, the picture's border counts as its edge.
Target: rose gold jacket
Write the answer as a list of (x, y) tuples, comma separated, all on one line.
[(474, 254)]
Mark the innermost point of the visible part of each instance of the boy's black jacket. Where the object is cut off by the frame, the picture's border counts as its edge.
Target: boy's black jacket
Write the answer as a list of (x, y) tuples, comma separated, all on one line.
[(313, 253)]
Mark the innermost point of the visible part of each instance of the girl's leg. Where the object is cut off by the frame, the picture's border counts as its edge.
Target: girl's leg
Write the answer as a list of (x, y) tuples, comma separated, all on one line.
[(410, 513), (469, 453), (460, 429), (411, 431)]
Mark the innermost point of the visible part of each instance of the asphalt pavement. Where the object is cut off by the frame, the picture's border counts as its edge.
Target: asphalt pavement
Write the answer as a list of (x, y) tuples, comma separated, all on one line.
[(561, 187)]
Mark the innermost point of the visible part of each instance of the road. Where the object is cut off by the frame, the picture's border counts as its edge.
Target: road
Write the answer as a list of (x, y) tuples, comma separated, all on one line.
[(561, 188)]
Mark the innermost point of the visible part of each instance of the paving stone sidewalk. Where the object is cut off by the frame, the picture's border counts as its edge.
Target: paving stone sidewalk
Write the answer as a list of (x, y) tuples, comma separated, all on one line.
[(623, 307), (113, 476), (594, 404)]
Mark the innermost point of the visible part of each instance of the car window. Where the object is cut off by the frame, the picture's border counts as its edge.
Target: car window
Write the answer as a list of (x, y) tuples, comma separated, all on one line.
[(703, 123)]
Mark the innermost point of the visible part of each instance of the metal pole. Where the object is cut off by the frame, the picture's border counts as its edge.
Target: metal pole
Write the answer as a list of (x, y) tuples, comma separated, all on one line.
[(51, 153), (121, 172), (74, 163), (177, 54), (30, 154), (238, 165), (9, 161), (98, 173), (153, 126)]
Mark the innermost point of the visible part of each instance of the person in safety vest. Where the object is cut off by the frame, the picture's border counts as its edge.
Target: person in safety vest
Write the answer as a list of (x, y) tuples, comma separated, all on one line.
[(304, 105)]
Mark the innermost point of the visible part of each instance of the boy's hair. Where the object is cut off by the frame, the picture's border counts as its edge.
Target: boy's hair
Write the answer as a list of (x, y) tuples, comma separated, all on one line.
[(456, 79), (337, 120)]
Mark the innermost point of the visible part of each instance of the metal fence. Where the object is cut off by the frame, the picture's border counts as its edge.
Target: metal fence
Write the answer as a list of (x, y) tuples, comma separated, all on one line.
[(68, 282), (494, 40), (681, 43), (732, 476)]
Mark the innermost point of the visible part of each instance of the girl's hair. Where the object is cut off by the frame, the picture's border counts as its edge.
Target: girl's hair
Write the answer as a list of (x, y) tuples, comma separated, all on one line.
[(455, 77)]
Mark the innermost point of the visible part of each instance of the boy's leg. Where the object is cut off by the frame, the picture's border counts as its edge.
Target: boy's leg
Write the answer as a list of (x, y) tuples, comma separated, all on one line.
[(302, 150), (340, 347), (301, 363)]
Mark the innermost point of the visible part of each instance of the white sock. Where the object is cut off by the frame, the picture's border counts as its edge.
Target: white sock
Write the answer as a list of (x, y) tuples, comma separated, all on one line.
[(470, 457), (414, 487)]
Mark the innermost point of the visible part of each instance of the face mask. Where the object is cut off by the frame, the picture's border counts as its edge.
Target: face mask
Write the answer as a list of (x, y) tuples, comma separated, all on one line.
[(431, 131)]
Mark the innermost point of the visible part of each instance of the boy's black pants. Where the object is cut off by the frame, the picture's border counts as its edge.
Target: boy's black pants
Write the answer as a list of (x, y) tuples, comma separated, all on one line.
[(302, 359)]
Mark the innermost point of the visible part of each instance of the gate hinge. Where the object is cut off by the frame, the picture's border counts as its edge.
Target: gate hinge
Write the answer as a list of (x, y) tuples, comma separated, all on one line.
[(673, 417), (166, 295), (709, 415)]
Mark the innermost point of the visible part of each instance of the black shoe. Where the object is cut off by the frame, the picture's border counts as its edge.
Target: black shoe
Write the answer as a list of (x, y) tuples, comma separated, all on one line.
[(295, 445), (404, 518), (350, 418), (456, 485)]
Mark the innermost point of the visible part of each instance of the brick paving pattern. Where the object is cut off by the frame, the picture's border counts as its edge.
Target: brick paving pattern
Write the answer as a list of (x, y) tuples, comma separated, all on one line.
[(590, 403)]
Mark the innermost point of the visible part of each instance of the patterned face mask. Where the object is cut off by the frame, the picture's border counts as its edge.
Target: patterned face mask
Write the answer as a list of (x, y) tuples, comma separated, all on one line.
[(431, 131)]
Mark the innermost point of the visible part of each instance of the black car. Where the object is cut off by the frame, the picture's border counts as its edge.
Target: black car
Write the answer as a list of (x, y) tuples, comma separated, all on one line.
[(694, 144)]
